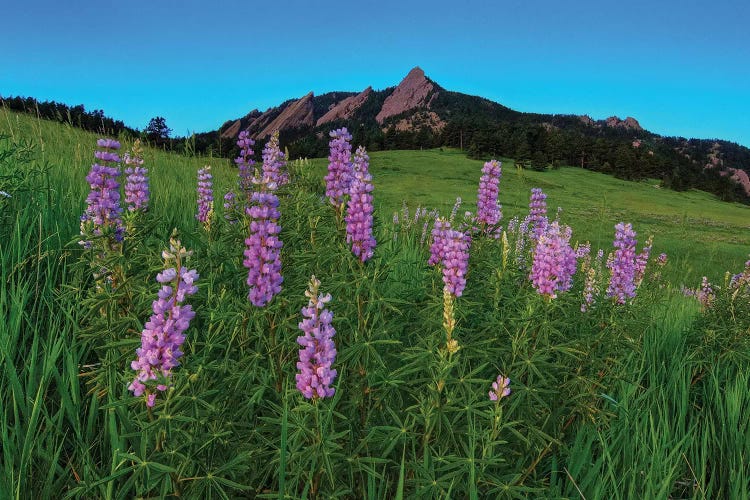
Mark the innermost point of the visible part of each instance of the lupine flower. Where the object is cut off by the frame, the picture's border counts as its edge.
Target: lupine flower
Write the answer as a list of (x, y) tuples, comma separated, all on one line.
[(554, 262), (488, 209), (263, 252), (455, 208), (641, 260), (455, 261), (359, 208), (537, 218), (232, 207), (583, 250), (662, 259), (740, 279), (339, 167), (205, 197), (500, 388), (245, 163), (164, 333), (513, 225), (591, 285), (318, 350), (136, 182), (274, 161), (705, 294), (439, 243), (103, 212), (521, 237), (622, 282)]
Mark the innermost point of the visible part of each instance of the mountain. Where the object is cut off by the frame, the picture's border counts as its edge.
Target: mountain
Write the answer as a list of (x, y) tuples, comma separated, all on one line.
[(419, 113)]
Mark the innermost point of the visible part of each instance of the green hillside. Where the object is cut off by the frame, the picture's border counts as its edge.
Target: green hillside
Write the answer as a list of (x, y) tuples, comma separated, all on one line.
[(701, 234)]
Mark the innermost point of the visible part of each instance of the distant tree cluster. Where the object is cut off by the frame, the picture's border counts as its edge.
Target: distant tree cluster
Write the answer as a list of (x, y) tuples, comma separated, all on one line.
[(75, 116)]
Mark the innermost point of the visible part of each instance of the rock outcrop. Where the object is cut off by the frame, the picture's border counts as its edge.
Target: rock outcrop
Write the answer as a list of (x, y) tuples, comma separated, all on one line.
[(628, 123), (414, 91), (345, 109), (738, 176), (297, 114), (419, 120)]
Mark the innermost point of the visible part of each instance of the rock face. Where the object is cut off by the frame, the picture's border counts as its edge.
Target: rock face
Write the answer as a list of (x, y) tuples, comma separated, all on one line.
[(628, 123), (295, 115), (738, 176), (419, 120), (586, 119), (413, 91), (345, 109)]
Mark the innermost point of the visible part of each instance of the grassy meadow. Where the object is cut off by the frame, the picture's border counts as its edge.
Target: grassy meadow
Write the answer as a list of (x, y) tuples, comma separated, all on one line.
[(643, 400)]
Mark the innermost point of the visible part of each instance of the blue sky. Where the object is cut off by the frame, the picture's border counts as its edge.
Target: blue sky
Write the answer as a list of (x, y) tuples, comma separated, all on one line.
[(679, 67)]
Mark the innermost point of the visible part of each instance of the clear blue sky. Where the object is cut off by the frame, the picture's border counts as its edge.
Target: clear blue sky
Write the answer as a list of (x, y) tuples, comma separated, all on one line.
[(679, 67)]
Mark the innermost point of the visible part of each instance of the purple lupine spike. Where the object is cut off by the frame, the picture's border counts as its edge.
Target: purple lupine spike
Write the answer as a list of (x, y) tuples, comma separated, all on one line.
[(705, 294), (164, 333), (455, 208), (455, 261), (359, 208), (318, 352), (245, 163), (500, 388), (339, 167), (537, 218), (232, 208), (641, 261), (263, 252), (274, 161), (488, 210), (205, 197), (622, 282), (136, 182), (439, 235), (583, 250), (554, 262), (103, 211)]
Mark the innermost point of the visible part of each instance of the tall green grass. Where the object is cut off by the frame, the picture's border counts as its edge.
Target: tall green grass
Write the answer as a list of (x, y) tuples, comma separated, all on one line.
[(642, 401)]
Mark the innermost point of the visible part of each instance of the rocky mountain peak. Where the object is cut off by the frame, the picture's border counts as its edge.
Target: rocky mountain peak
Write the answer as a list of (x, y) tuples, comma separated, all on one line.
[(414, 91)]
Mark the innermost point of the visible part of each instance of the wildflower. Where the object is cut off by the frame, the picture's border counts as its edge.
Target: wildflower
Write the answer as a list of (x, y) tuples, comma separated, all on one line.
[(641, 260), (359, 208), (437, 248), (245, 163), (318, 350), (263, 252), (500, 388), (455, 208), (339, 168), (590, 288), (164, 333), (103, 212), (488, 209), (232, 208), (455, 261), (537, 218), (583, 250), (661, 260), (136, 182), (554, 262), (205, 197), (622, 282), (705, 294), (274, 161)]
